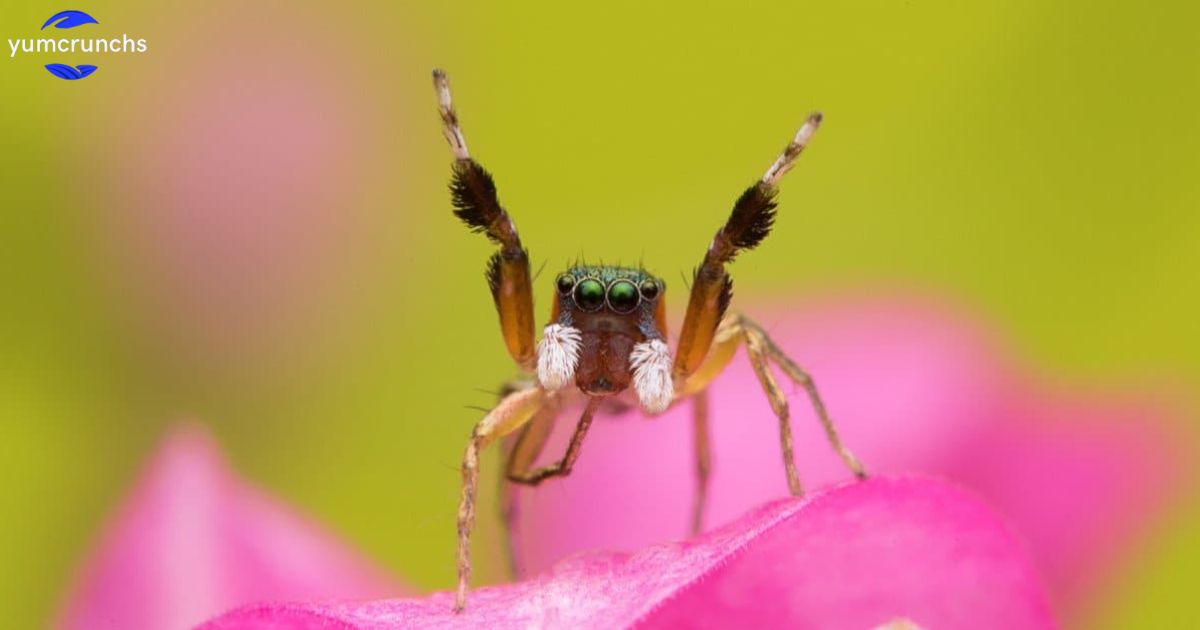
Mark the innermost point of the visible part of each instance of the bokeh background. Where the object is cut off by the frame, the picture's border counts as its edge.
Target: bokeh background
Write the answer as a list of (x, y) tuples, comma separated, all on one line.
[(248, 226)]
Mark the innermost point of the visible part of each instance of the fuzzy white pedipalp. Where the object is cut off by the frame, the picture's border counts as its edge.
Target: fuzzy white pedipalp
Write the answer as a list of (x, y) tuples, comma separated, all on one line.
[(558, 354), (651, 363)]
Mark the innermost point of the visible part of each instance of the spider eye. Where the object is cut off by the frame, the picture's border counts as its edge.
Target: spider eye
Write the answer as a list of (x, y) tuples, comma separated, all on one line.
[(622, 296), (649, 290), (565, 283), (589, 294)]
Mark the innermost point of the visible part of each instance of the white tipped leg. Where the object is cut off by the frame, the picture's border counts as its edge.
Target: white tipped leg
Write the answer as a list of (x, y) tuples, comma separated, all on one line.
[(458, 144), (788, 158)]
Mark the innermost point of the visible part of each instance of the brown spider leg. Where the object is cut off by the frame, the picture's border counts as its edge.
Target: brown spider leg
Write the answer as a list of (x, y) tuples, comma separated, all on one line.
[(473, 195), (562, 467), (702, 439), (707, 331), (775, 395), (524, 449), (510, 414), (804, 380), (733, 331), (748, 224)]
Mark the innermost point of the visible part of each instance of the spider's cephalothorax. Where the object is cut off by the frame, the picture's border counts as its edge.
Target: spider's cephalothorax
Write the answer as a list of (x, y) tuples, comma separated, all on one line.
[(607, 334)]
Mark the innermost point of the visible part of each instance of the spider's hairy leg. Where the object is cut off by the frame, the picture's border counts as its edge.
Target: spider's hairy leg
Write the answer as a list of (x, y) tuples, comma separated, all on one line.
[(701, 440), (749, 223), (562, 467), (522, 450), (802, 378), (513, 412), (519, 467), (779, 405), (726, 341), (737, 329), (473, 195)]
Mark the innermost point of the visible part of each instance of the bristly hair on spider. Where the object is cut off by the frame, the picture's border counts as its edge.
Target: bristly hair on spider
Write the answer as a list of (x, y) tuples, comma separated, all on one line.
[(752, 218), (473, 195), (606, 341)]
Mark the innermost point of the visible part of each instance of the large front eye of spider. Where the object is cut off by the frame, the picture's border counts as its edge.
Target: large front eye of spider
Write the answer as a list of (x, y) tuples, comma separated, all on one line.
[(565, 283), (622, 296), (649, 290), (589, 294)]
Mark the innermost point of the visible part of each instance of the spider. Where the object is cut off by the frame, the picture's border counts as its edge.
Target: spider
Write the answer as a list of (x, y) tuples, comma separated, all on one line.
[(608, 334)]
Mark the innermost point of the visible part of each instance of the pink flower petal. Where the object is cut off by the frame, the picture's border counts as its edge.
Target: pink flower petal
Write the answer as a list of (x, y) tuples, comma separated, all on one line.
[(855, 556), (193, 540), (914, 385)]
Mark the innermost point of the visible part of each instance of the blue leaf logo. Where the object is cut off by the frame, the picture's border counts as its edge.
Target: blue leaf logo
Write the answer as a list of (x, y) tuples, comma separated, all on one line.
[(63, 71), (69, 19)]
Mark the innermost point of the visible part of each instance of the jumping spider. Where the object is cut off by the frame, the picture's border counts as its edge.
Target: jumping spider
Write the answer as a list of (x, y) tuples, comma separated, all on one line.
[(607, 332)]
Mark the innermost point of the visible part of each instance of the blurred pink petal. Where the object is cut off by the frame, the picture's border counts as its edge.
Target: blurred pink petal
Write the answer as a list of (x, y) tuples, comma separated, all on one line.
[(1078, 477), (914, 385), (235, 223), (192, 540), (855, 556)]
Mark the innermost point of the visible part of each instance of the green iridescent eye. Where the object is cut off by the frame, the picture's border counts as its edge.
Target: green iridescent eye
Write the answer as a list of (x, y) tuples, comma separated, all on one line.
[(565, 283), (589, 294), (649, 290), (622, 296)]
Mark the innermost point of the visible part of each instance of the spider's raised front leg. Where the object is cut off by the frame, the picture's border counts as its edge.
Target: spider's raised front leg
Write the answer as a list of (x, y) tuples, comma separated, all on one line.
[(748, 224), (473, 195), (708, 338)]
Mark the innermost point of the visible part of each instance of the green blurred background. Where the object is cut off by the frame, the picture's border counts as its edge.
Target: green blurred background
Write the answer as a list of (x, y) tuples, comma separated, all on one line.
[(248, 225)]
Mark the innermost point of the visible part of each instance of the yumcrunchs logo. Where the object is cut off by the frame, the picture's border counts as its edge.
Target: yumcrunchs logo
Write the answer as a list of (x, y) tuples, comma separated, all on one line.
[(63, 45)]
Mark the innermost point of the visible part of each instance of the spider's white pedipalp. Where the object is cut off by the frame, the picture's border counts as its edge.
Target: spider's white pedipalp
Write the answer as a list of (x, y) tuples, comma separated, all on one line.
[(557, 356), (651, 363)]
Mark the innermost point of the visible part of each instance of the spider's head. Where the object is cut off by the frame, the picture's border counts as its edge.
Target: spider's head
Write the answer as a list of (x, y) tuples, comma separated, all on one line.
[(607, 332)]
